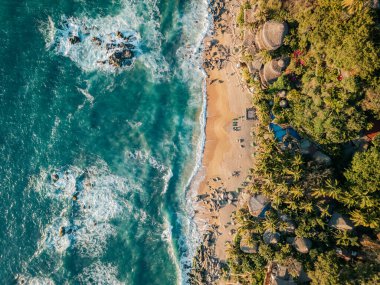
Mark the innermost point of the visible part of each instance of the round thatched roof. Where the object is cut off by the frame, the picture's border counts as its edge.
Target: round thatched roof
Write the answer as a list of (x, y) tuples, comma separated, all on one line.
[(273, 70), (271, 35)]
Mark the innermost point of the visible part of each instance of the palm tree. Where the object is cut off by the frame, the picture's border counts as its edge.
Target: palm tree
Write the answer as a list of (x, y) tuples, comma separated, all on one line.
[(344, 239), (354, 6), (307, 207), (324, 211), (319, 192), (296, 192), (333, 189), (358, 218)]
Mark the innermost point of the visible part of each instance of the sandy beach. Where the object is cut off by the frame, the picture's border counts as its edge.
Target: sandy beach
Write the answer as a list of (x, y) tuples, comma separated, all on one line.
[(227, 154)]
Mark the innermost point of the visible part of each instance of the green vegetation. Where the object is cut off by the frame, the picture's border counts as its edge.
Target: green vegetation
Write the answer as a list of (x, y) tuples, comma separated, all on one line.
[(334, 72), (361, 192), (332, 89)]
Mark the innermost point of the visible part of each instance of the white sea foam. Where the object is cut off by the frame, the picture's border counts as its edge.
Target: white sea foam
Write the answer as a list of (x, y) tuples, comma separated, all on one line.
[(87, 94), (22, 279), (137, 19), (100, 274), (196, 24), (146, 157), (89, 199)]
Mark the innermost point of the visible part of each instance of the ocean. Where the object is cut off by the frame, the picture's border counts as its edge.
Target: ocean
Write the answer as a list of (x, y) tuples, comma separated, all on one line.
[(96, 156)]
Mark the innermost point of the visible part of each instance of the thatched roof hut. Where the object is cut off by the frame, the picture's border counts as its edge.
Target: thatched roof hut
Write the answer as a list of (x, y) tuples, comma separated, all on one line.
[(271, 35), (272, 70)]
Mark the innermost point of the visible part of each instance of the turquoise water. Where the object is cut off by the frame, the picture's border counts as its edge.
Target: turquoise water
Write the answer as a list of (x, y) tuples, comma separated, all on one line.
[(124, 143)]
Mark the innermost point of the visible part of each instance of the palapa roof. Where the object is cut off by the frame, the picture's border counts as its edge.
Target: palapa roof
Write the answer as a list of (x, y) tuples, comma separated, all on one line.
[(272, 70), (271, 35)]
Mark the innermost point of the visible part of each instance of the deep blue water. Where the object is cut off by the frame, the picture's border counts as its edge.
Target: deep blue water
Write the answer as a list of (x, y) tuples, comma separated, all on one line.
[(123, 142)]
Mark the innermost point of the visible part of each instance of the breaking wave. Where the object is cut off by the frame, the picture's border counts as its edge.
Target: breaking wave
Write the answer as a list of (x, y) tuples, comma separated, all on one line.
[(91, 42), (88, 200)]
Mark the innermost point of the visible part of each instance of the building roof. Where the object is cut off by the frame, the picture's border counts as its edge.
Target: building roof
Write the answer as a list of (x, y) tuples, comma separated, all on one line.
[(251, 114), (257, 204), (271, 35), (280, 275), (374, 131), (272, 70), (340, 222)]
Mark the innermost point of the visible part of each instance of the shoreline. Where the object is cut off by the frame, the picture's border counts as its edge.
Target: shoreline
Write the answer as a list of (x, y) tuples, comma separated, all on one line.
[(226, 156)]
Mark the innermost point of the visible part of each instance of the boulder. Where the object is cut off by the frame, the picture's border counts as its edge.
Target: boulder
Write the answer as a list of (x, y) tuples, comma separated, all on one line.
[(127, 54), (321, 158), (340, 222), (62, 231), (119, 35), (271, 238), (96, 41), (302, 245), (74, 40)]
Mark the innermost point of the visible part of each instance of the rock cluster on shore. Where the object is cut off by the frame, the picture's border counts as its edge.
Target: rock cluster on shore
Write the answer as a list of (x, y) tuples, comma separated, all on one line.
[(206, 269), (216, 54)]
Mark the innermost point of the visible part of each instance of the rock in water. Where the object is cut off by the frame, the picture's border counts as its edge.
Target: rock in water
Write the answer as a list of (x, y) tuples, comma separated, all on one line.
[(127, 54), (97, 41), (62, 231), (74, 40)]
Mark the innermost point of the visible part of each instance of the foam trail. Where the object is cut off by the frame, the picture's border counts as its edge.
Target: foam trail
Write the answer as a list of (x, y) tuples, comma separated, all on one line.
[(28, 280), (100, 274), (191, 71), (87, 200)]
